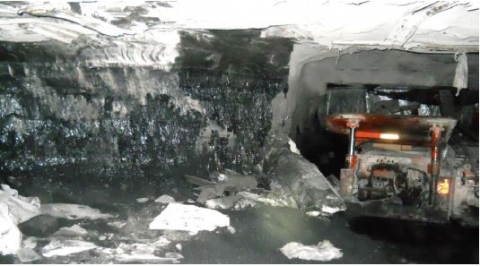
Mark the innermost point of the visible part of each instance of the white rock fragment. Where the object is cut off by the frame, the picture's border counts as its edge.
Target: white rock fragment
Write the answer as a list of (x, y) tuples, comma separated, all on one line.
[(293, 146), (162, 242), (74, 230), (30, 242), (178, 247), (138, 252), (27, 255), (142, 200), (165, 199), (222, 203), (66, 247), (231, 230), (243, 204), (313, 213), (251, 199), (330, 210), (141, 248), (117, 224), (20, 209), (10, 235), (222, 177), (323, 251), (107, 251), (73, 211), (190, 218), (144, 257), (14, 209), (174, 255)]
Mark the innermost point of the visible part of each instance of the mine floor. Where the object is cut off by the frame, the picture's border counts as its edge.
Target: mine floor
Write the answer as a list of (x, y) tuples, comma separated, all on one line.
[(259, 232)]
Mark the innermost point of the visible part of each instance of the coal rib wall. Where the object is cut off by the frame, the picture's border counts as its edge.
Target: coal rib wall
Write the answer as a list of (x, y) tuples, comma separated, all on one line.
[(211, 111)]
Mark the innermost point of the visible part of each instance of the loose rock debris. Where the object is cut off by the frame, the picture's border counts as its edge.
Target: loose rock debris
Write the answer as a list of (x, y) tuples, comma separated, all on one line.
[(323, 251), (142, 200), (20, 208), (229, 182), (267, 198), (74, 230), (177, 222), (293, 182), (69, 240), (126, 258), (223, 203), (138, 252), (174, 255), (293, 147), (30, 242), (14, 209), (10, 235), (66, 247), (297, 180), (73, 211), (330, 210), (234, 190), (117, 224), (313, 213), (165, 199), (190, 218), (27, 255)]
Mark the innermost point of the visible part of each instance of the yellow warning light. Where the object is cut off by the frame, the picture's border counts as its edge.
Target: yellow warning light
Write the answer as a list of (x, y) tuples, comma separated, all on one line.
[(392, 136), (443, 187), (376, 135)]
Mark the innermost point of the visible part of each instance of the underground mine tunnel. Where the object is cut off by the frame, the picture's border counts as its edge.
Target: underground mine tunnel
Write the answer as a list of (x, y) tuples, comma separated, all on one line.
[(233, 132)]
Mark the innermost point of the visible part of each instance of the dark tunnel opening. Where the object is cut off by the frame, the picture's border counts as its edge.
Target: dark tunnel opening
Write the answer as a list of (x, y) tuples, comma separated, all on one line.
[(323, 148)]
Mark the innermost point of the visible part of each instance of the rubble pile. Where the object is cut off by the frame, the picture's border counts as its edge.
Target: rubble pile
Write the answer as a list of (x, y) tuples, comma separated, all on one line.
[(293, 182), (31, 231)]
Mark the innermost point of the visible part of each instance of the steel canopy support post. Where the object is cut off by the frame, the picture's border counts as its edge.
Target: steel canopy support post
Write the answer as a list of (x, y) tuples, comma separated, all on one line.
[(351, 146), (350, 158), (347, 175), (435, 165)]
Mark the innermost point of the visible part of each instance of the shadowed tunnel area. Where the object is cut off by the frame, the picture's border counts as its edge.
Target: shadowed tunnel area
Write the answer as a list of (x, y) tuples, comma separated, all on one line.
[(442, 243)]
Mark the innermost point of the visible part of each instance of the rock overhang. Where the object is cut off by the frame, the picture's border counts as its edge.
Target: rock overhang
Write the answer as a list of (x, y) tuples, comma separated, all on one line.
[(147, 33)]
